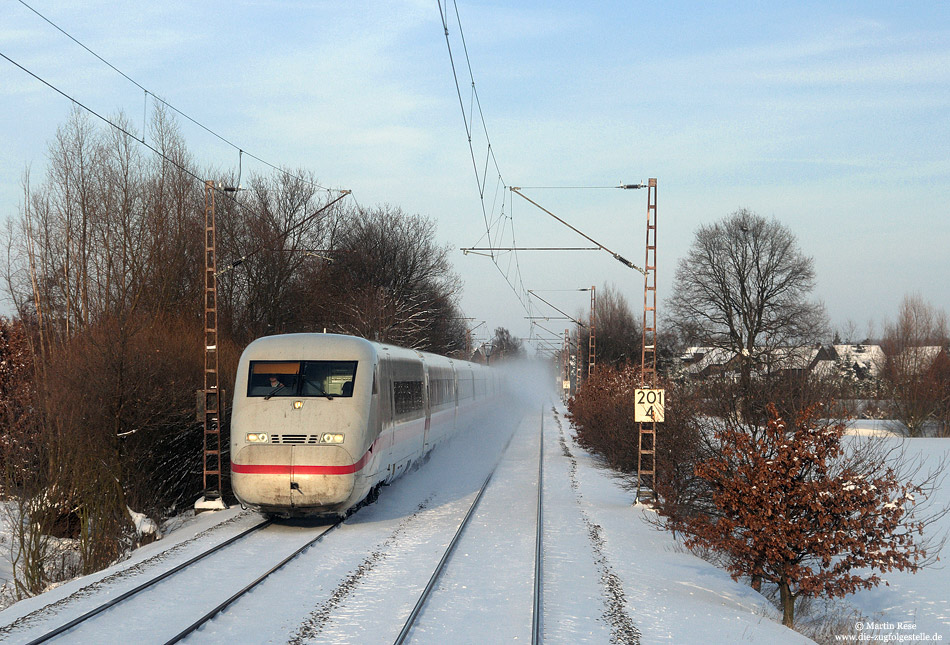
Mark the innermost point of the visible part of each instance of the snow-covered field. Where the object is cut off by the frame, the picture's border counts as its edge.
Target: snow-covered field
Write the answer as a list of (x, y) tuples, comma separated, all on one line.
[(609, 576), (921, 600)]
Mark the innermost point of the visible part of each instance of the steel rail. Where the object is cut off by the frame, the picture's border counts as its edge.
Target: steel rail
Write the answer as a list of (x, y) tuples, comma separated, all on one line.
[(410, 621), (146, 585), (417, 609), (221, 607), (537, 609)]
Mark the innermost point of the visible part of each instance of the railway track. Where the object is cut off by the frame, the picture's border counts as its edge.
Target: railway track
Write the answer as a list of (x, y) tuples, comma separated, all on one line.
[(211, 588), (145, 585), (156, 591), (537, 608), (537, 593), (231, 599)]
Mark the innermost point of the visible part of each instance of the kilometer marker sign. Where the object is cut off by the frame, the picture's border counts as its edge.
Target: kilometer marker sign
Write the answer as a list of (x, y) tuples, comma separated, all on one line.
[(649, 405)]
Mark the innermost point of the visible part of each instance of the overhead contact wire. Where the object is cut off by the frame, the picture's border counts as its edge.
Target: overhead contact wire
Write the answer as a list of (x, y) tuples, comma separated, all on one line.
[(162, 155), (490, 153), (168, 105), (478, 102), (491, 224), (468, 129)]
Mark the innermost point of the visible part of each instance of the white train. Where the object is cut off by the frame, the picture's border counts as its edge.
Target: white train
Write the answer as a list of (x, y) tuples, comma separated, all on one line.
[(321, 421)]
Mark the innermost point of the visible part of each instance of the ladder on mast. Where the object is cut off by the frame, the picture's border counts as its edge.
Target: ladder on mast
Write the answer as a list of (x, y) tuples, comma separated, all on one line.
[(592, 343), (211, 455), (646, 459)]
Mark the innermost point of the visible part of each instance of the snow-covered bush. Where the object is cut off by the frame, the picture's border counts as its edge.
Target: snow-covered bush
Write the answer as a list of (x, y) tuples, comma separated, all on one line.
[(793, 508)]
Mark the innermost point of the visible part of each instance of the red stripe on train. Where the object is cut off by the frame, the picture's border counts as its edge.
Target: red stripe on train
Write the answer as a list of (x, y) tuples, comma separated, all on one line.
[(286, 469)]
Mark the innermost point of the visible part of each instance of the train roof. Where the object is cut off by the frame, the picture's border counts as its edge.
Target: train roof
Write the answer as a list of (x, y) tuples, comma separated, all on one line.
[(313, 345), (304, 346)]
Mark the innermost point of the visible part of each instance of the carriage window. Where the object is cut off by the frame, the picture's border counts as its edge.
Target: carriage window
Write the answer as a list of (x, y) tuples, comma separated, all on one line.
[(301, 378), (407, 396)]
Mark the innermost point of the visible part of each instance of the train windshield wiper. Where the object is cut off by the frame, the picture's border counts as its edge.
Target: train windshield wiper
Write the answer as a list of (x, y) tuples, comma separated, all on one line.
[(318, 385), (274, 391)]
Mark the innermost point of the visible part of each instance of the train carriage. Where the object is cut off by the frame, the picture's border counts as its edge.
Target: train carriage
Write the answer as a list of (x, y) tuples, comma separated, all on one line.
[(320, 421)]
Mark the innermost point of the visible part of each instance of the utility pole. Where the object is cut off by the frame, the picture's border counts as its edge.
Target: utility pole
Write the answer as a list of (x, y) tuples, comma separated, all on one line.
[(579, 363), (211, 400), (592, 343), (210, 397), (565, 372), (469, 345), (646, 459)]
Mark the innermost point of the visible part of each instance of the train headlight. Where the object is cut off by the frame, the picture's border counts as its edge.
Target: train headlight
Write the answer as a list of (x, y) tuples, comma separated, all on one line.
[(256, 437), (331, 437)]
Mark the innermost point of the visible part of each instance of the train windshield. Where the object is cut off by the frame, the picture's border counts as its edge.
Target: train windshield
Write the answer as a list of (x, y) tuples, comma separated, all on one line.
[(301, 378)]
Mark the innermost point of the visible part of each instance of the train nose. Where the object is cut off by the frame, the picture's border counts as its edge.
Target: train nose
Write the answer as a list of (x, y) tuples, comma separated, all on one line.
[(323, 476), (301, 477)]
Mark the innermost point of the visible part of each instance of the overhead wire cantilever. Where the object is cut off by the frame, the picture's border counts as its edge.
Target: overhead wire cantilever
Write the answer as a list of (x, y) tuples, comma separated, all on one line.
[(516, 190), (532, 293)]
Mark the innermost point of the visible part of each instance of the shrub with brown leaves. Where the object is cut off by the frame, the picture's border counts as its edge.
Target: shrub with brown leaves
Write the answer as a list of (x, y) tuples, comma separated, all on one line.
[(602, 414), (793, 508)]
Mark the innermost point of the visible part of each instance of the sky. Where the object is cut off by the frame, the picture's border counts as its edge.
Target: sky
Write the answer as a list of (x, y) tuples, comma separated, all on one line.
[(830, 117)]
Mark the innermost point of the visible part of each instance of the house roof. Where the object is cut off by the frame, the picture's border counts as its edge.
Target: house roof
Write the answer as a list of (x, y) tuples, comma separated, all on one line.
[(793, 358), (870, 358), (709, 357), (917, 360)]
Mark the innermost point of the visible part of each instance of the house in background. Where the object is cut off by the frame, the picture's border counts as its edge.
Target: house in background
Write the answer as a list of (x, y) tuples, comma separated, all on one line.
[(863, 360), (704, 362), (919, 361), (793, 361)]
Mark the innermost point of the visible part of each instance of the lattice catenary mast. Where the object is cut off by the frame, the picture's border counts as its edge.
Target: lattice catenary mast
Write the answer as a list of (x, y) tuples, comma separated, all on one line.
[(646, 460), (211, 399), (592, 344), (566, 364)]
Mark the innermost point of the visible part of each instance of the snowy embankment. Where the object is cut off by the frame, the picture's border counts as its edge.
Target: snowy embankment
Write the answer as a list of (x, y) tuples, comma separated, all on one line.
[(608, 574), (677, 597), (916, 603), (672, 595)]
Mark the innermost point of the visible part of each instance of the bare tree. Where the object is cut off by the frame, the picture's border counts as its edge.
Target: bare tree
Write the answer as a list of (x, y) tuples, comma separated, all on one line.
[(744, 287), (103, 248), (505, 346), (390, 281), (99, 233), (175, 223), (282, 242), (617, 333), (917, 367)]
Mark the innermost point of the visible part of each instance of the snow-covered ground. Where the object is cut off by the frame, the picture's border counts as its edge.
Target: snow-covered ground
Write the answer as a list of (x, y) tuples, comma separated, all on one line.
[(670, 595), (920, 601), (609, 575)]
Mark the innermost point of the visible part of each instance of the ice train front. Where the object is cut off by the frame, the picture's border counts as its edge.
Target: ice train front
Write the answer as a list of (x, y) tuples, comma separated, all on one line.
[(304, 424)]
